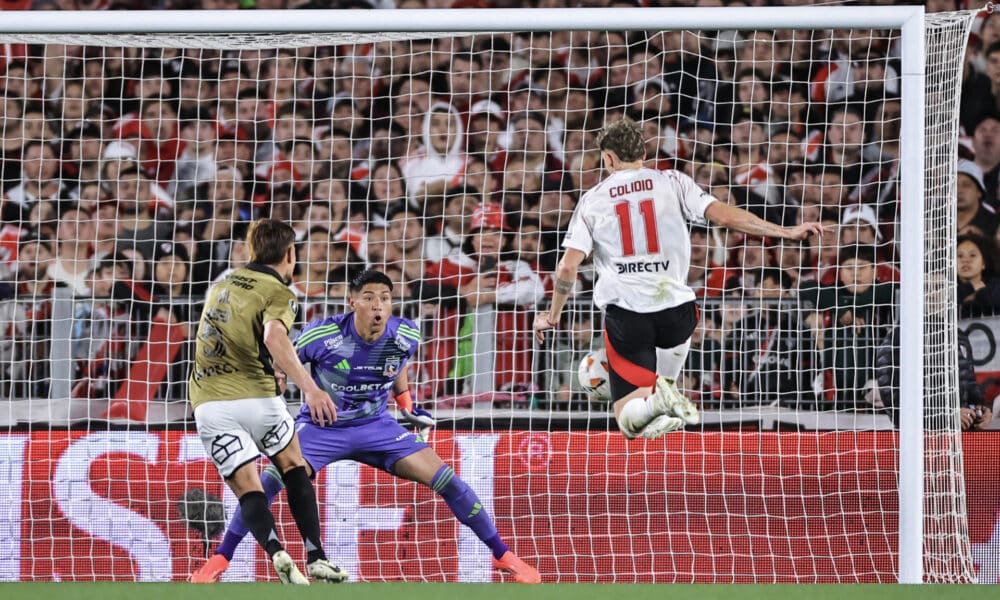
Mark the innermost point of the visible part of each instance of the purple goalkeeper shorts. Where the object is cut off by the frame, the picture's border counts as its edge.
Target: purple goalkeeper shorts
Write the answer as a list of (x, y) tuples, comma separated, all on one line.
[(376, 441)]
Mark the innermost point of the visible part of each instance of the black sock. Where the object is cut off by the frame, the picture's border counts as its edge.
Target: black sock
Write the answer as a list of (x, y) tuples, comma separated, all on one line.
[(260, 521), (302, 502)]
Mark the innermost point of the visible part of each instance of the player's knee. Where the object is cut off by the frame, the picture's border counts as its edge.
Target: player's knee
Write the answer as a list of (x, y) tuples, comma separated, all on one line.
[(272, 473), (448, 485)]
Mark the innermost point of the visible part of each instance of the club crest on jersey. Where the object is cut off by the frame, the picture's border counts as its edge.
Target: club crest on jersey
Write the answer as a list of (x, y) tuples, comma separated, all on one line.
[(391, 367), (294, 306), (403, 344), (333, 342)]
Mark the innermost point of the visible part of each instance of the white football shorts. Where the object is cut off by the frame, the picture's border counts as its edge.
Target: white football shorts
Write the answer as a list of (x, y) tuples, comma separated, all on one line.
[(236, 432)]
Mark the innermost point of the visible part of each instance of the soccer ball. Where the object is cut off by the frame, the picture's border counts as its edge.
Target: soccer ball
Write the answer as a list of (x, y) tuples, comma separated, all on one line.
[(593, 375)]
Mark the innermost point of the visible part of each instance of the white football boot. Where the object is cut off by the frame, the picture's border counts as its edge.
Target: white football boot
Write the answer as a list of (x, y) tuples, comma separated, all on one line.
[(661, 425), (287, 571), (324, 570), (668, 400)]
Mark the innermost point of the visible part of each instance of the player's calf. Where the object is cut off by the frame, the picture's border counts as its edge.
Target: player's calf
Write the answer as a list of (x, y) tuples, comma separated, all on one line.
[(302, 504), (260, 521)]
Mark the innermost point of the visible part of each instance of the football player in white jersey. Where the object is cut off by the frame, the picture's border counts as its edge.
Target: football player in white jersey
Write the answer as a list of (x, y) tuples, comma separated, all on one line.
[(635, 223)]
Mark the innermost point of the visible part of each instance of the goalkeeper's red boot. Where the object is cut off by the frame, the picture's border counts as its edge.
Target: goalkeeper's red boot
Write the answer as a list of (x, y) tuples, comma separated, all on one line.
[(212, 570), (520, 570)]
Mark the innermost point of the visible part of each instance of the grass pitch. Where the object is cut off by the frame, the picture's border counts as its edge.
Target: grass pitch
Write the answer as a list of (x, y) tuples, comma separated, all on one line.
[(460, 591)]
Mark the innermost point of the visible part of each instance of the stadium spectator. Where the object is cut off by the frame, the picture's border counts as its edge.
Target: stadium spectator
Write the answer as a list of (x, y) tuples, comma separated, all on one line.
[(82, 157), (974, 410), (701, 264), (752, 179), (171, 268), (481, 278), (973, 216), (441, 156), (460, 203), (386, 193), (104, 330), (311, 280), (239, 256), (139, 227), (845, 143), (72, 266), (404, 238), (981, 91), (34, 283), (986, 144), (766, 359), (854, 313), (196, 161), (40, 180), (487, 124), (978, 284), (858, 225)]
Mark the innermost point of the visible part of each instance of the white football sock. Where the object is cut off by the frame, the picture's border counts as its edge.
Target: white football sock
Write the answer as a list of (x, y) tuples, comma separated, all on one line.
[(670, 361), (636, 414)]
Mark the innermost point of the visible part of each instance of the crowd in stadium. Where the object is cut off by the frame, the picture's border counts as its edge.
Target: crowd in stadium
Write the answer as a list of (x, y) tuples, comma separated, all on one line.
[(453, 164)]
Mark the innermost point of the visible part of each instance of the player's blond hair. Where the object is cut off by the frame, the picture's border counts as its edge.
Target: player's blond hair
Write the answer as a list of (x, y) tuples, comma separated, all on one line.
[(624, 138)]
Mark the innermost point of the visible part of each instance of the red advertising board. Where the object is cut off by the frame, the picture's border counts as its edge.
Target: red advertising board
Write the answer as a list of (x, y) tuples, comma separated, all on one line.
[(583, 506)]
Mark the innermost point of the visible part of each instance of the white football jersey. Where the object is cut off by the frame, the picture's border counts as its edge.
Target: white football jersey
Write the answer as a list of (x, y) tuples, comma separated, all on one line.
[(635, 223)]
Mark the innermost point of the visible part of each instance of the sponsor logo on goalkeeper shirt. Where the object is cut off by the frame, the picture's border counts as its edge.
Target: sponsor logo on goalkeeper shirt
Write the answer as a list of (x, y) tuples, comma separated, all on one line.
[(361, 387), (655, 266)]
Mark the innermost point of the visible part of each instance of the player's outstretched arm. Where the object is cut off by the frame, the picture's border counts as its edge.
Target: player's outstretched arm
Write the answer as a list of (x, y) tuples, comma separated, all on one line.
[(566, 271), (736, 218), (283, 353)]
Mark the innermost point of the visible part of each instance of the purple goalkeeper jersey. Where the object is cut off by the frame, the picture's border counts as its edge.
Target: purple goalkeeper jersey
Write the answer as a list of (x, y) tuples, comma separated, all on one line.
[(357, 375)]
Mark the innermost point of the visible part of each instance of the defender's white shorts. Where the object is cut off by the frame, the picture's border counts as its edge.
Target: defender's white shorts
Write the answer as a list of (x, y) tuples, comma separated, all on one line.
[(235, 432)]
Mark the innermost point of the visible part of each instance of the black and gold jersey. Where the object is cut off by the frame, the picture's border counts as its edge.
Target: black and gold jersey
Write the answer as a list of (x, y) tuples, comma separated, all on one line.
[(231, 361)]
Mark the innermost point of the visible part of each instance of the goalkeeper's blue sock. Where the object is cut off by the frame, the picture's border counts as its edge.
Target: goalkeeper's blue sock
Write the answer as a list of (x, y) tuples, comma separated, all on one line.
[(467, 508), (237, 529)]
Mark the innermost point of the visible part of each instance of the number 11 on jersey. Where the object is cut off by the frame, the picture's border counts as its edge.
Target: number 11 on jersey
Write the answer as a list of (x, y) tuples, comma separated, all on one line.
[(624, 212)]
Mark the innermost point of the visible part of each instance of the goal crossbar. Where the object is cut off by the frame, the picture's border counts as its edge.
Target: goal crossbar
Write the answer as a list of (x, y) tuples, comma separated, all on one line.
[(452, 21)]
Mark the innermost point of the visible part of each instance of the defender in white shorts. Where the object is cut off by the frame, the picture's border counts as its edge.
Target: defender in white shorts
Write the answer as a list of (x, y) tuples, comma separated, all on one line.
[(236, 432), (235, 393)]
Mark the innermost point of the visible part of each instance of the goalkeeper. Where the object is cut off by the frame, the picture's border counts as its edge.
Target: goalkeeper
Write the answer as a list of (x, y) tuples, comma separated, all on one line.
[(358, 357)]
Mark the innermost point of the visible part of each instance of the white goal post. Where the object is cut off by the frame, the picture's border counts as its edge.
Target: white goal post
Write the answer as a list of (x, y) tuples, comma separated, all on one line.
[(926, 176)]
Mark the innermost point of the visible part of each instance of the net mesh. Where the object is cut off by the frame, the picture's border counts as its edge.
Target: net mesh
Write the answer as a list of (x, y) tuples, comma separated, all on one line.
[(946, 556), (131, 166)]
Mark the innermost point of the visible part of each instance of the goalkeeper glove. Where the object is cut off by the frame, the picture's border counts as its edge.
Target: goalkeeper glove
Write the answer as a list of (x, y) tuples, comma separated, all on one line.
[(421, 420)]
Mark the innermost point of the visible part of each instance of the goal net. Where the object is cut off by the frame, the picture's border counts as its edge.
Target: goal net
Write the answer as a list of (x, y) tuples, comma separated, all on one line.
[(131, 165)]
